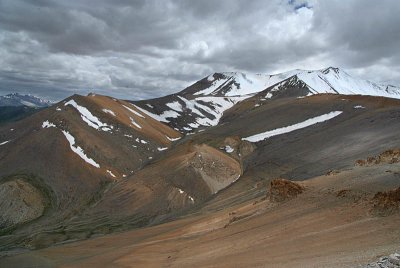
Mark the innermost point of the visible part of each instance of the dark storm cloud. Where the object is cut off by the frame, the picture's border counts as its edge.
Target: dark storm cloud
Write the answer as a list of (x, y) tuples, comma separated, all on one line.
[(142, 49), (368, 30)]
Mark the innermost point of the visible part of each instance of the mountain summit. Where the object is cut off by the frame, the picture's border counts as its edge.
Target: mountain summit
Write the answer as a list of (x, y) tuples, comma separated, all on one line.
[(203, 103), (328, 80)]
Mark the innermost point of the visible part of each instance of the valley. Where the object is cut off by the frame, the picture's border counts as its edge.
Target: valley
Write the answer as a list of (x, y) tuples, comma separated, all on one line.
[(188, 179)]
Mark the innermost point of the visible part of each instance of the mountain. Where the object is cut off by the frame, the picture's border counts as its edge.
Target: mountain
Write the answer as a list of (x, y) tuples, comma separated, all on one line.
[(16, 99), (203, 103), (14, 107), (88, 147), (97, 138), (15, 113), (267, 168)]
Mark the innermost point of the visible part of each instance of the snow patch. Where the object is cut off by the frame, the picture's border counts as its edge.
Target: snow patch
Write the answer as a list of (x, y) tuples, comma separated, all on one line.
[(191, 105), (28, 103), (194, 125), (283, 130), (133, 111), (162, 117), (88, 117), (218, 104), (111, 174), (229, 149), (140, 141), (188, 196), (168, 114), (134, 122), (175, 106), (108, 111), (359, 107), (162, 149), (214, 86), (4, 142), (205, 115), (78, 150), (173, 139), (47, 124)]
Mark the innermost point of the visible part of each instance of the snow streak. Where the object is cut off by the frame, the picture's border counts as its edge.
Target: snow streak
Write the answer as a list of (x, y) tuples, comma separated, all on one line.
[(287, 129)]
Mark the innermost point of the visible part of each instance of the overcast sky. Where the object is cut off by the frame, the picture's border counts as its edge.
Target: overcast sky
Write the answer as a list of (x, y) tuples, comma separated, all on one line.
[(143, 49)]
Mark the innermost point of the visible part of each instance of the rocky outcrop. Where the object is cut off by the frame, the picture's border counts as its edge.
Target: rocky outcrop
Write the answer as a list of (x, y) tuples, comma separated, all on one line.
[(281, 190), (20, 202), (216, 169), (386, 202), (246, 148), (391, 261), (390, 157), (237, 147)]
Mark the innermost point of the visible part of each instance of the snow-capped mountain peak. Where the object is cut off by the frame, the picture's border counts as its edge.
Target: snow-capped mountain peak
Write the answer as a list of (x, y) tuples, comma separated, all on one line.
[(234, 84), (335, 80), (203, 103), (328, 80), (16, 99)]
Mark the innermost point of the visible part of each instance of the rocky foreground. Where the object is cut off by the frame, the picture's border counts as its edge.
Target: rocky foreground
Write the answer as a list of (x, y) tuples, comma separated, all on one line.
[(391, 261)]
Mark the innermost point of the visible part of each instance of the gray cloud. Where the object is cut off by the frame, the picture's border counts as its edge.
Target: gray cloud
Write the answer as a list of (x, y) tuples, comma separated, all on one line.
[(142, 49)]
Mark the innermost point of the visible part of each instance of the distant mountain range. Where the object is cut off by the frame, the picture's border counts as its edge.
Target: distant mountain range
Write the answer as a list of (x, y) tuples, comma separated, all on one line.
[(15, 106), (16, 99)]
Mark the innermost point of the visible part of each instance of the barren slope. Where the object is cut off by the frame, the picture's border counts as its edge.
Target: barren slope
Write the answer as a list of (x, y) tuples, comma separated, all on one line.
[(330, 224), (142, 179), (70, 154)]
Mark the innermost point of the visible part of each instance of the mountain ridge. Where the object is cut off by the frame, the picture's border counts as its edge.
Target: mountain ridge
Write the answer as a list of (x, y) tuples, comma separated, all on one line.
[(272, 79), (108, 165), (203, 103), (17, 99)]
